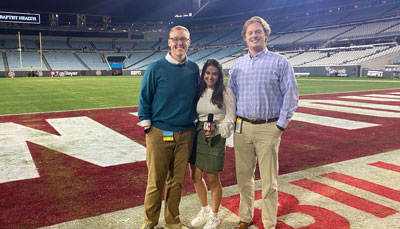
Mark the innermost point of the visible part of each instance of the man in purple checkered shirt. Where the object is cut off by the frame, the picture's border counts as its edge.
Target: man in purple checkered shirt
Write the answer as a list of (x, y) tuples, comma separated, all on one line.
[(266, 98)]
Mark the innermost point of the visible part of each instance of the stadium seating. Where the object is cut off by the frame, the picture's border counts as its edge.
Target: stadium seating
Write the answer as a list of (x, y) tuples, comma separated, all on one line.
[(124, 45), (13, 44), (333, 33), (324, 34), (369, 29), (103, 45), (80, 45), (29, 59), (145, 62), (231, 36), (144, 45), (220, 54), (136, 58), (54, 45), (63, 61), (93, 61), (2, 68)]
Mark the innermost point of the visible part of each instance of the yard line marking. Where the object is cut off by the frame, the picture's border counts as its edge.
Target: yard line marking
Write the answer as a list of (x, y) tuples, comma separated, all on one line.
[(387, 166), (345, 198), (370, 98), (359, 104), (384, 96), (331, 122), (360, 111), (365, 185)]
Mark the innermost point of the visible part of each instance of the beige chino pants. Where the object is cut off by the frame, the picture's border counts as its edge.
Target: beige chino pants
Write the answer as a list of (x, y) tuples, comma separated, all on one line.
[(166, 164), (258, 142)]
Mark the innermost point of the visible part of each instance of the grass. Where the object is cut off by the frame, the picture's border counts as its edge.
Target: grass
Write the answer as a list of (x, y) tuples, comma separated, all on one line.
[(30, 95)]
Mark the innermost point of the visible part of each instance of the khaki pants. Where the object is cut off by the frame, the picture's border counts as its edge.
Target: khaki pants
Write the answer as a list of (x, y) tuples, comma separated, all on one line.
[(166, 163), (258, 142)]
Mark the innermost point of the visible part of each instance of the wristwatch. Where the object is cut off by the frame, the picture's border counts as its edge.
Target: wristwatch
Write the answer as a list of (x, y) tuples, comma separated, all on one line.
[(146, 131), (281, 128)]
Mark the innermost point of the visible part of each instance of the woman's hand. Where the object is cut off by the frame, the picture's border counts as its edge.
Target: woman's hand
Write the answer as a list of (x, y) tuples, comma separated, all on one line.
[(209, 134)]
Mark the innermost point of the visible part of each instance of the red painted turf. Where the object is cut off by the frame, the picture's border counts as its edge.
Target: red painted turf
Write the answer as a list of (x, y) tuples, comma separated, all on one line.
[(69, 188)]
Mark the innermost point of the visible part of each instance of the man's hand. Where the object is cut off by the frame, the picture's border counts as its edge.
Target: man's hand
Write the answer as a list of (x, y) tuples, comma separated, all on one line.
[(146, 129)]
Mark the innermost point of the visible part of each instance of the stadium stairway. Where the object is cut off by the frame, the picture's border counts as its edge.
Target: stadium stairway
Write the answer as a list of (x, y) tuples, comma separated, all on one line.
[(5, 61), (387, 29), (46, 63), (381, 62), (69, 45), (81, 61)]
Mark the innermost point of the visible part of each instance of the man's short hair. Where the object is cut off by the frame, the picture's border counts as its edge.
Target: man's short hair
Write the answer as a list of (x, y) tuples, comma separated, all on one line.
[(256, 19), (179, 27)]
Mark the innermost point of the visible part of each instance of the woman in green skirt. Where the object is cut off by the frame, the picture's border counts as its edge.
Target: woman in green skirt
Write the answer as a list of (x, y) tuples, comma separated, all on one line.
[(209, 146)]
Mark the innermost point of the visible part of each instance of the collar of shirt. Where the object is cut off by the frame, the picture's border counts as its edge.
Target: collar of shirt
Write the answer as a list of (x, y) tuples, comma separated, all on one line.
[(260, 54), (171, 60)]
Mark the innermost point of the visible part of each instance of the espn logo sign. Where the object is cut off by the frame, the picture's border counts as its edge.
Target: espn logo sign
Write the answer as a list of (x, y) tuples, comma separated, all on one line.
[(137, 73)]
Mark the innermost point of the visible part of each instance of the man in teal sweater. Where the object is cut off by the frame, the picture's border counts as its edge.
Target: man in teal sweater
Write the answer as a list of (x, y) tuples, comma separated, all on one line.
[(167, 111)]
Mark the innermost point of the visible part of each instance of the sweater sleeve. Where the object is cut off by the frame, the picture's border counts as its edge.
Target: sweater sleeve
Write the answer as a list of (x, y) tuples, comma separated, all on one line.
[(147, 90), (226, 126)]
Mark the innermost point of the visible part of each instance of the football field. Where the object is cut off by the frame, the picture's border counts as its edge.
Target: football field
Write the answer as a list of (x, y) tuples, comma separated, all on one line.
[(73, 156), (44, 94)]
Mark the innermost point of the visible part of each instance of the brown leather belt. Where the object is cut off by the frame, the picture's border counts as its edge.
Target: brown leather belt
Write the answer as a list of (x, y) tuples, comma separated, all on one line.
[(259, 121)]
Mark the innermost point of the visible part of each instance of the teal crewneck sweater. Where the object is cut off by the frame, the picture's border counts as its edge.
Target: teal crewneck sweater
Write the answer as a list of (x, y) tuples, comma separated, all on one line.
[(167, 95)]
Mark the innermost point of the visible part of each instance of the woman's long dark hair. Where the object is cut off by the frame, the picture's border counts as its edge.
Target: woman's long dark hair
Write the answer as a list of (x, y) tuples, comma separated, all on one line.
[(217, 96)]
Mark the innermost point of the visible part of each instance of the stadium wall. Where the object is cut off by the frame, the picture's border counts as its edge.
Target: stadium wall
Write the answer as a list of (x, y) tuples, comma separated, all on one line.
[(329, 71), (341, 71), (371, 73), (4, 74)]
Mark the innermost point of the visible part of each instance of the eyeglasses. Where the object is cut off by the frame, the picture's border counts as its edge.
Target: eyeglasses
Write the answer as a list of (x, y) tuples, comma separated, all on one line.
[(181, 39)]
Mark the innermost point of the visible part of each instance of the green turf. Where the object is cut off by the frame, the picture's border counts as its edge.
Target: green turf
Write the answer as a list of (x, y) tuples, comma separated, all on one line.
[(29, 95)]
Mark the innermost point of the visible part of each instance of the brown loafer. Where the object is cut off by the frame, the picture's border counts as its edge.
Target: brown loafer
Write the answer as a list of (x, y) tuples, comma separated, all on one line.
[(243, 225)]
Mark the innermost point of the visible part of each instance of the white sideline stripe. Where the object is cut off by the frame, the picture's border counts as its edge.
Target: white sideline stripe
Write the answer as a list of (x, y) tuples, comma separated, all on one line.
[(358, 104), (395, 93), (229, 141), (370, 98), (189, 207), (384, 96), (359, 111), (331, 122)]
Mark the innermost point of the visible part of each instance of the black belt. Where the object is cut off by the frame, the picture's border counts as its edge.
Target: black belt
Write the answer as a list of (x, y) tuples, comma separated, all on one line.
[(259, 121)]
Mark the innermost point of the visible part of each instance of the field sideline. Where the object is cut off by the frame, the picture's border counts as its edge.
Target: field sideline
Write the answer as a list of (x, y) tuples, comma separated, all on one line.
[(32, 95), (72, 156)]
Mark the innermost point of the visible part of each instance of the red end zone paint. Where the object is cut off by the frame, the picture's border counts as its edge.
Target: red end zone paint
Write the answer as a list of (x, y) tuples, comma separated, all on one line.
[(387, 166), (289, 204), (346, 198), (69, 188), (365, 185)]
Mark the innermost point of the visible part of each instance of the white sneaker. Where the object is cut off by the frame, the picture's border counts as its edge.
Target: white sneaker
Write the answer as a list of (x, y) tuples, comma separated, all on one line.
[(212, 223), (201, 219)]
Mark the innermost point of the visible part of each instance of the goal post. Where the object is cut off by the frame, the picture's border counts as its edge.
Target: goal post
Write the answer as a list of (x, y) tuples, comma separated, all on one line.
[(40, 53)]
